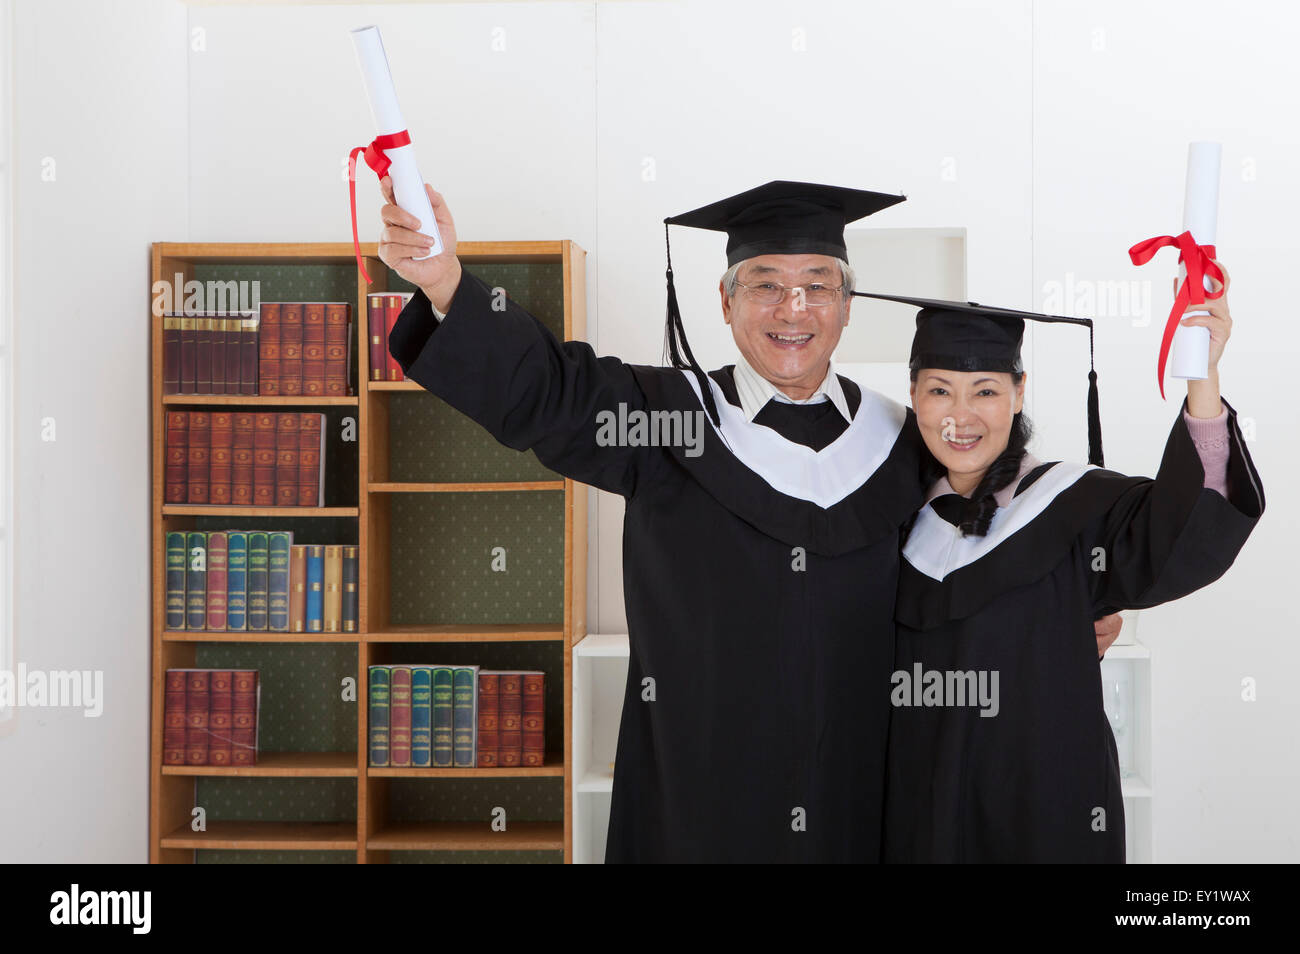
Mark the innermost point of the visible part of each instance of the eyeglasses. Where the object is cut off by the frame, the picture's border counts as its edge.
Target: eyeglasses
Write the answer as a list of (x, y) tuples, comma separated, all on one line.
[(815, 295)]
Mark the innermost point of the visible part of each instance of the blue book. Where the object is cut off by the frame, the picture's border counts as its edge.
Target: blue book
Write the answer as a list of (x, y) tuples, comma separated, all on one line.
[(442, 716), (315, 613), (237, 581), (176, 567), (421, 716), (279, 545)]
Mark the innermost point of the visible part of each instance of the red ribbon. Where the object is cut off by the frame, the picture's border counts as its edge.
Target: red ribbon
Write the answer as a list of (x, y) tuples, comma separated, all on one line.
[(1197, 258), (376, 159)]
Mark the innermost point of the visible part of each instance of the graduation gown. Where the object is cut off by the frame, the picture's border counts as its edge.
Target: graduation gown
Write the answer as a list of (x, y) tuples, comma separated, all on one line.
[(1039, 781), (759, 580)]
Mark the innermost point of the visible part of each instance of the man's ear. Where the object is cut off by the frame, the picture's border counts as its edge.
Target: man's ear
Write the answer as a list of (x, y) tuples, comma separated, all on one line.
[(848, 304), (726, 302)]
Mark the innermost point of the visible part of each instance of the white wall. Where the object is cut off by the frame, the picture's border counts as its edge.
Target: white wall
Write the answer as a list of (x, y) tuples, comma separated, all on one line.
[(595, 122), (101, 93)]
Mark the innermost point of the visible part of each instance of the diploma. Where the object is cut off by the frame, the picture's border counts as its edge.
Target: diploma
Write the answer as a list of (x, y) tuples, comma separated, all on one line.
[(1191, 354), (408, 185)]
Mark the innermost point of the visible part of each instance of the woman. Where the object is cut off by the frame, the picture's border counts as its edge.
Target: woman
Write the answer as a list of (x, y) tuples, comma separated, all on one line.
[(999, 748)]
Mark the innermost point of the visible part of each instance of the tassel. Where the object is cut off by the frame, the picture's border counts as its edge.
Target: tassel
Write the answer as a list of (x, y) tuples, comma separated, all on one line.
[(1094, 409), (676, 345)]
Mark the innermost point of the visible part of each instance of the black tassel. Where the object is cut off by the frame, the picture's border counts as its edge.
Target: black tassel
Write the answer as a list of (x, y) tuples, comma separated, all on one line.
[(676, 345), (1094, 409)]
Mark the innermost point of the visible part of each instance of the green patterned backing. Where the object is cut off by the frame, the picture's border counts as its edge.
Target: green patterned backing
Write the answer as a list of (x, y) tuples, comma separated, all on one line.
[(429, 440), (538, 288), (277, 799), (440, 557), (223, 857), (320, 531)]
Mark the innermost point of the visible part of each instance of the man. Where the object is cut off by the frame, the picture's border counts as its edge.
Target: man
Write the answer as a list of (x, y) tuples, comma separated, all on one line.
[(759, 571)]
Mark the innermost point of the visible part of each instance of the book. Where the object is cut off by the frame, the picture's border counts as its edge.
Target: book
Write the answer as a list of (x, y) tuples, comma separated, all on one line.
[(443, 717), (268, 348), (246, 701), (421, 716), (338, 347), (291, 343), (241, 459), (220, 717), (313, 348), (174, 722), (298, 589), (176, 568), (196, 596), (196, 716), (258, 580), (333, 601), (236, 581), (278, 545), (351, 610), (378, 721), (534, 710), (176, 487), (198, 441), (399, 717), (315, 589), (510, 752), (215, 584), (464, 725), (311, 459)]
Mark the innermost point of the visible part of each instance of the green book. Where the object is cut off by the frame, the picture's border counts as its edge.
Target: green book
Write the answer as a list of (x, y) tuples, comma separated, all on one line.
[(258, 557), (421, 716), (176, 568), (464, 723), (196, 581), (379, 680), (442, 717)]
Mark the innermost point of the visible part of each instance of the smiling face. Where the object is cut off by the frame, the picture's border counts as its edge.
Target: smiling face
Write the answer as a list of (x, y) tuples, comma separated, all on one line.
[(789, 346), (976, 408)]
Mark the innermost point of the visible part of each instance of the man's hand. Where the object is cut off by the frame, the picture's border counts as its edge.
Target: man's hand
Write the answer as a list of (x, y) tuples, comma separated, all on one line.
[(399, 243), (1107, 632)]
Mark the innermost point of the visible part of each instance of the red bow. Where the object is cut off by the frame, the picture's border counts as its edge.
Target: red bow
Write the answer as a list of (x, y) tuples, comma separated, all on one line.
[(1191, 292), (377, 160)]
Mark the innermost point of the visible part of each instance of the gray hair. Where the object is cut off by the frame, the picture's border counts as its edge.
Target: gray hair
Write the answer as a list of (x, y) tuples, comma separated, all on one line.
[(846, 275)]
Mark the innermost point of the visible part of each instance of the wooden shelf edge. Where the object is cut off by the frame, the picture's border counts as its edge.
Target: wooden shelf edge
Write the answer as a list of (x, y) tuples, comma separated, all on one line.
[(279, 765), (266, 835), (468, 836), (389, 487), (219, 636)]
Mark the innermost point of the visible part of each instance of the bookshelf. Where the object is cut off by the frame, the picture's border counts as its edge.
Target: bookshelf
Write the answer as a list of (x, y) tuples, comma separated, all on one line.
[(425, 494)]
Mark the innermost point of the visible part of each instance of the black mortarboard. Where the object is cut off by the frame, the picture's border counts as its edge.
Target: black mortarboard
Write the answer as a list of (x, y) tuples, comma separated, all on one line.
[(967, 336), (779, 218)]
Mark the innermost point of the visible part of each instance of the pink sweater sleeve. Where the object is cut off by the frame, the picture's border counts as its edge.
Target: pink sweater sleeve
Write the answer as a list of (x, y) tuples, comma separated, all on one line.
[(1210, 435)]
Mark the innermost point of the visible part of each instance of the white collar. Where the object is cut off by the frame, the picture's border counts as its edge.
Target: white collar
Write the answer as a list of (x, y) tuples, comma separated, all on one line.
[(1003, 496), (755, 391)]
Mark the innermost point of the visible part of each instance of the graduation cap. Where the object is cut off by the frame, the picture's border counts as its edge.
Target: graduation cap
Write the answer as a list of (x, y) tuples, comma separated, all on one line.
[(967, 336), (779, 218)]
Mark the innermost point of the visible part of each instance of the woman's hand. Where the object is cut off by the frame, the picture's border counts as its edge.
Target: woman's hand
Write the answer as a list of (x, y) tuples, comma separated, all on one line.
[(1203, 398), (399, 243)]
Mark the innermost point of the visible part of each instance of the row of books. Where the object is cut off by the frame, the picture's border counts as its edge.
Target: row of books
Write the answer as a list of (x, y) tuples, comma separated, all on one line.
[(382, 311), (259, 581), (285, 348), (443, 716), (245, 458), (210, 717)]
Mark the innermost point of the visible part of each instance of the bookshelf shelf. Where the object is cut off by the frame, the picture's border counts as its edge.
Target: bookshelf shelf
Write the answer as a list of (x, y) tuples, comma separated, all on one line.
[(280, 765), (423, 494), (469, 836)]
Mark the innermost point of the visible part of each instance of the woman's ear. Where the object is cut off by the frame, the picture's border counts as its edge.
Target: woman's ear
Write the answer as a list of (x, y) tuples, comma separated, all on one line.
[(1020, 392)]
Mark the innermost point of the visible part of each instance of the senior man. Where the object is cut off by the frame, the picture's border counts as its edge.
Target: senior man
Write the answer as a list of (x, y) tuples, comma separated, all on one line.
[(759, 566)]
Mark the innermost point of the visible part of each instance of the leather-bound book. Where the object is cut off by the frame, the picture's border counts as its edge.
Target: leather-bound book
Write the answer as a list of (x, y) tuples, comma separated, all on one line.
[(510, 753), (203, 354), (176, 565), (245, 705), (237, 581), (489, 715), (377, 335), (196, 716), (311, 459), (258, 561), (233, 337), (338, 347), (218, 355), (200, 437), (351, 595), (392, 311), (333, 609), (174, 718), (399, 717), (534, 712), (248, 354), (291, 319), (189, 344), (220, 457), (196, 590), (313, 348), (279, 544), (421, 716), (216, 581), (177, 468), (286, 459), (220, 717), (171, 335), (298, 588), (264, 459), (443, 717), (268, 348), (464, 715), (241, 459), (379, 711), (315, 588)]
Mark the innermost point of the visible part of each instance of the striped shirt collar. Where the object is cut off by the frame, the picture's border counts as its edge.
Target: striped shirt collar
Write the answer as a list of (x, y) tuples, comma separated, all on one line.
[(755, 391)]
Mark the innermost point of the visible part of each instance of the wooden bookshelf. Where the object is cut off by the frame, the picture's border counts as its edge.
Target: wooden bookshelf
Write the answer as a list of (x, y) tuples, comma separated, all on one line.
[(385, 811)]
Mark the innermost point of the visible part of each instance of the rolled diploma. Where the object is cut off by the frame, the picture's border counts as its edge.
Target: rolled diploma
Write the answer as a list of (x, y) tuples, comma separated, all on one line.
[(1191, 351), (408, 186)]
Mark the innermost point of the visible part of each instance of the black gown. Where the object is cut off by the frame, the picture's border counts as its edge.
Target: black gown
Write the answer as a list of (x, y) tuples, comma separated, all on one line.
[(759, 581), (1039, 780)]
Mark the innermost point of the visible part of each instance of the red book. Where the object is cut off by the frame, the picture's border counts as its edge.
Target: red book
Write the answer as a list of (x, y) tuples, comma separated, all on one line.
[(511, 749), (377, 332), (313, 348), (489, 714), (176, 472), (311, 459), (268, 349), (399, 717), (392, 312), (196, 717), (219, 457), (534, 750), (338, 340), (221, 702), (298, 588), (174, 718), (243, 715), (264, 459), (248, 354), (199, 445), (291, 320), (217, 576), (241, 460), (286, 459)]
